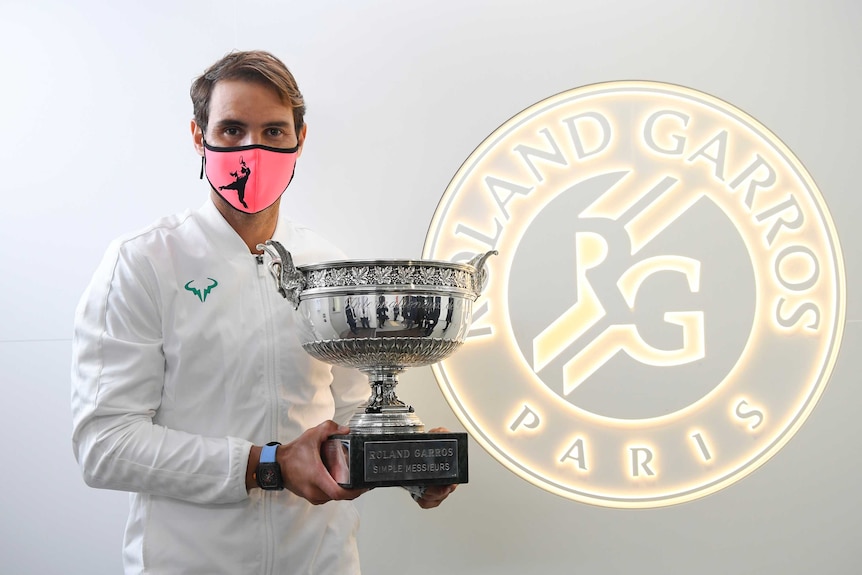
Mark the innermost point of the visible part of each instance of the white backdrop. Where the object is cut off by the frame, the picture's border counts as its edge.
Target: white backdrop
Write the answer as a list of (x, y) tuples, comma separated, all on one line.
[(95, 122)]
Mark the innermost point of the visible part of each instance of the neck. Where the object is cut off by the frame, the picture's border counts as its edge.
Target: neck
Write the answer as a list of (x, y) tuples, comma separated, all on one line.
[(252, 228)]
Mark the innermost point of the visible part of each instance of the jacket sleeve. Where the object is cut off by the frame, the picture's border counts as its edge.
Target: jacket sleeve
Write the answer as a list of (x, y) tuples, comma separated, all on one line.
[(118, 369), (349, 388)]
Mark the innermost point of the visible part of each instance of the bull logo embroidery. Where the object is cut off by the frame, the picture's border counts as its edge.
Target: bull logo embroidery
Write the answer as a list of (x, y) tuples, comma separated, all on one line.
[(202, 295)]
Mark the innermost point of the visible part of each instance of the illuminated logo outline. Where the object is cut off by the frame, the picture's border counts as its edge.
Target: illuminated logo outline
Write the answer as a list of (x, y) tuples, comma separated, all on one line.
[(618, 131)]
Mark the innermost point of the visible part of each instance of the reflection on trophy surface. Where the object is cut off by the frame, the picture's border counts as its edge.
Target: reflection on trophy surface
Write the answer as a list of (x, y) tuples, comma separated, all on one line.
[(381, 317)]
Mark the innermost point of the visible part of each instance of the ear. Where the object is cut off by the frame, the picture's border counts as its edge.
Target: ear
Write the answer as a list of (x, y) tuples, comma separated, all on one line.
[(301, 139), (197, 138)]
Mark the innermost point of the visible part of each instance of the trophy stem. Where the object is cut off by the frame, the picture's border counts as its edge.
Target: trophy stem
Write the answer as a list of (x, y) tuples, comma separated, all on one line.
[(384, 412)]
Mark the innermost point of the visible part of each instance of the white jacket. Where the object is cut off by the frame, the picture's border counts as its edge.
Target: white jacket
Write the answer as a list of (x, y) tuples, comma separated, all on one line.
[(184, 356)]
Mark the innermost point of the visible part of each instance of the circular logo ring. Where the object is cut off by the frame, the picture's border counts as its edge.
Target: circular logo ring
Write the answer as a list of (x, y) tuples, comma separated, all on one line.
[(668, 302)]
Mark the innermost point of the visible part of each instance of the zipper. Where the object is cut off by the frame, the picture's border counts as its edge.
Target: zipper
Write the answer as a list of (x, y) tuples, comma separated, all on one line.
[(270, 362), (268, 293)]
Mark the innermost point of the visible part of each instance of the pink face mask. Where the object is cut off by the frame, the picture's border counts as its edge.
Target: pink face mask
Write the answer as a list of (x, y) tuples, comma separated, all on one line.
[(249, 178)]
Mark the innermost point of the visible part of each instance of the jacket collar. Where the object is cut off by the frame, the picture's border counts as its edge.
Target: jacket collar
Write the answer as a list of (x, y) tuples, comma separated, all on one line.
[(224, 237)]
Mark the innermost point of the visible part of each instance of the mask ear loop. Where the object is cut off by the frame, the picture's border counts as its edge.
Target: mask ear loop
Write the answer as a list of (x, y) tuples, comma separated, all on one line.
[(203, 159)]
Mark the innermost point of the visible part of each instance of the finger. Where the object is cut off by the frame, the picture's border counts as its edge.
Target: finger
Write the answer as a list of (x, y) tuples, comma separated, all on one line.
[(438, 493), (340, 493), (327, 485), (350, 494), (329, 427), (429, 503), (324, 489), (345, 495), (434, 496)]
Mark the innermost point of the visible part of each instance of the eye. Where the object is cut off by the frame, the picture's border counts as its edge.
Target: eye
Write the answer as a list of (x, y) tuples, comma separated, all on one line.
[(274, 132), (231, 131)]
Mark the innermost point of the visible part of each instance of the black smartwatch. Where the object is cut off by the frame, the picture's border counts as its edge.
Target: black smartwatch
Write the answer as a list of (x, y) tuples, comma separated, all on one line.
[(268, 473)]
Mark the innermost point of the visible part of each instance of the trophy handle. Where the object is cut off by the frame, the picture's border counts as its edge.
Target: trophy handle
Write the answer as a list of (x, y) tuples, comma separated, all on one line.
[(478, 262), (288, 280)]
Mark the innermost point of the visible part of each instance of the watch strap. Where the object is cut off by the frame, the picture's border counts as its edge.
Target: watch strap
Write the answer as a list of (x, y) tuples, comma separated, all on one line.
[(267, 453)]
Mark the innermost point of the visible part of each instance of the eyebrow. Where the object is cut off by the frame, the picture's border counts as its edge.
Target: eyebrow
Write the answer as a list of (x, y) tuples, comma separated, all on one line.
[(231, 122), (228, 122)]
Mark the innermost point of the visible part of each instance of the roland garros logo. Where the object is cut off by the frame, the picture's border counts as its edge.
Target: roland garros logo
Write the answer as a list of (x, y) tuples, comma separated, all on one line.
[(668, 301)]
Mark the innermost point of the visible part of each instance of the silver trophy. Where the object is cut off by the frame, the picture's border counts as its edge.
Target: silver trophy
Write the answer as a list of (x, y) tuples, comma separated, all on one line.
[(381, 317)]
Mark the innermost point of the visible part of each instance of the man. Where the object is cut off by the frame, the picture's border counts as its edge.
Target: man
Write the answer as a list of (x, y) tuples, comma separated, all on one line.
[(351, 316), (185, 362), (363, 312)]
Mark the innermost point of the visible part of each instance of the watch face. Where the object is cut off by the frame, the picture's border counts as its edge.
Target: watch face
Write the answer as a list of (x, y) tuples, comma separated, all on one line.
[(268, 476)]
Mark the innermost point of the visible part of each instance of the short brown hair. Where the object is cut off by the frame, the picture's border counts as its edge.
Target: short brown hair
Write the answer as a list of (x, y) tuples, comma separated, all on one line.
[(252, 66)]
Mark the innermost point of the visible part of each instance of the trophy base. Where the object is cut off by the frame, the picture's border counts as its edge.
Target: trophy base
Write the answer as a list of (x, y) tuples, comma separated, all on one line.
[(388, 459)]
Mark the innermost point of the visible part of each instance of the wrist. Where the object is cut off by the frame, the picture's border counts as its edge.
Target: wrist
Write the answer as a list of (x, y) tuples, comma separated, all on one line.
[(267, 474), (253, 461)]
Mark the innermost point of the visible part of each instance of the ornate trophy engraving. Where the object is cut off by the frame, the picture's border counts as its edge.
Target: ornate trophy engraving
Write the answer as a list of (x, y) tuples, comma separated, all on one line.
[(381, 317)]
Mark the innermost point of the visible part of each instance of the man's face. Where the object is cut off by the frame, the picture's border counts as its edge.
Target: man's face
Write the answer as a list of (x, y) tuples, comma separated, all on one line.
[(245, 113)]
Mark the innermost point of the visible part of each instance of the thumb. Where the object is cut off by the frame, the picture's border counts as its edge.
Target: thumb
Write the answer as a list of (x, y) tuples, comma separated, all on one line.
[(329, 427)]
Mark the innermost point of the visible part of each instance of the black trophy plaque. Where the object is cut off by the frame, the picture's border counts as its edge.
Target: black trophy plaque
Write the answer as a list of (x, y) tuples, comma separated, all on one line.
[(363, 460)]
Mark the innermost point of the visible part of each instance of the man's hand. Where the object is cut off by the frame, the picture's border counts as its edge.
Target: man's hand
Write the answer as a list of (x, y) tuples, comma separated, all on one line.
[(302, 468), (434, 495)]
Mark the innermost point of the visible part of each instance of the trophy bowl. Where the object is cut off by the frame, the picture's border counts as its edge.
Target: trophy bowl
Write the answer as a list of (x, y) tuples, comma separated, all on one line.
[(382, 317)]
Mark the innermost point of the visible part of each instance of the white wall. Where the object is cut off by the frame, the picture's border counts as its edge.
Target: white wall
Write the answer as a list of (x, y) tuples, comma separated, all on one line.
[(94, 113)]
